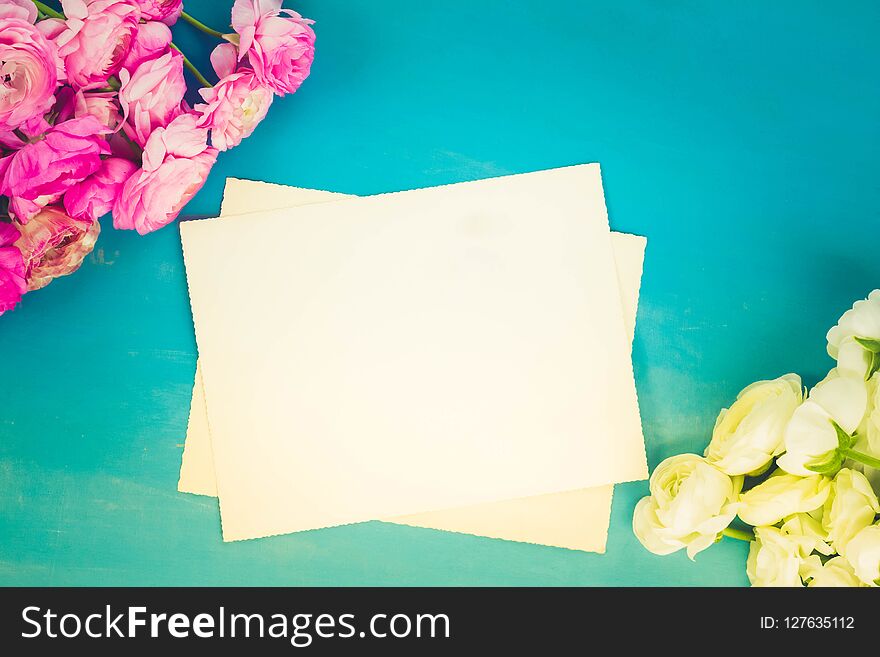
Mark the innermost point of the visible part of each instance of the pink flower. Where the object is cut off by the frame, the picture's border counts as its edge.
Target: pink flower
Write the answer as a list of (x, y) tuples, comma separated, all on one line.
[(53, 244), (30, 129), (29, 66), (41, 171), (96, 39), (24, 10), (167, 11), (177, 160), (102, 105), (12, 277), (94, 197), (236, 104), (152, 40), (279, 48), (152, 95)]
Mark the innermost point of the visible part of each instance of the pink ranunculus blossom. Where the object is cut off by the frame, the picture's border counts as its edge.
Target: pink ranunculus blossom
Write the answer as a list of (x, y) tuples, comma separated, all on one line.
[(96, 39), (94, 197), (9, 141), (29, 65), (34, 128), (176, 163), (53, 244), (278, 43), (236, 104), (65, 104), (42, 170), (152, 40), (151, 95), (104, 106), (25, 10), (100, 104), (12, 273), (167, 11), (30, 129)]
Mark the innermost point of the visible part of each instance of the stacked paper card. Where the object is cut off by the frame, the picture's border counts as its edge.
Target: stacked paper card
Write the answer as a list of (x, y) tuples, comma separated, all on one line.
[(455, 358)]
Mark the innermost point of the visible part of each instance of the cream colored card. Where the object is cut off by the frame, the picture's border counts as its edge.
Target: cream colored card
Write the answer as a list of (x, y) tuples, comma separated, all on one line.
[(579, 519), (575, 520), (483, 235)]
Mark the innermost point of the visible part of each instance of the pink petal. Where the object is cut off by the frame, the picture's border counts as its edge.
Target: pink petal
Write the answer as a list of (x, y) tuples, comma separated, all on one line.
[(223, 59)]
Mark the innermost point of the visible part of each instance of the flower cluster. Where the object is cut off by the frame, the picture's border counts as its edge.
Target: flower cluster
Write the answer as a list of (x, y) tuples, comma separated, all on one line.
[(93, 119), (803, 470)]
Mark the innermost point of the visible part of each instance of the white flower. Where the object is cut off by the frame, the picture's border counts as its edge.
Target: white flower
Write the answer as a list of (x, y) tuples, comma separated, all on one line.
[(870, 427), (785, 556), (647, 527), (783, 495), (691, 502), (868, 434), (805, 524), (835, 572), (863, 554), (811, 438), (854, 341), (853, 358), (777, 558), (850, 507), (749, 434)]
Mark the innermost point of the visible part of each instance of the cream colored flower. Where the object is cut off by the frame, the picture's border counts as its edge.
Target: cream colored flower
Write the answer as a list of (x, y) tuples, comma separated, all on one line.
[(777, 558), (691, 502), (811, 437), (647, 528), (855, 340), (870, 426), (863, 554), (850, 507), (749, 434), (836, 572), (782, 495), (805, 524), (868, 435), (853, 359)]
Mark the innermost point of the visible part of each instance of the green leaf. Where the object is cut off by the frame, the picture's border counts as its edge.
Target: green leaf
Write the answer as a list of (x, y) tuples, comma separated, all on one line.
[(875, 365), (831, 462), (844, 440), (869, 344), (828, 466)]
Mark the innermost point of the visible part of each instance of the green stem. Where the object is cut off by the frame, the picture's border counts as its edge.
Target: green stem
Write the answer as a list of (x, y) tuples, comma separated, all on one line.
[(48, 10), (192, 69), (862, 458), (199, 25), (739, 534)]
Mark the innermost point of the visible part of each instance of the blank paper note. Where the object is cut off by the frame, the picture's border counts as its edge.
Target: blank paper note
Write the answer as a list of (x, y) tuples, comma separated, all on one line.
[(575, 520), (401, 352)]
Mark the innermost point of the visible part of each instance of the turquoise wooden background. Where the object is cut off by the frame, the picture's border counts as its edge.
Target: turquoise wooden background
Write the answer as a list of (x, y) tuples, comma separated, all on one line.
[(741, 137)]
